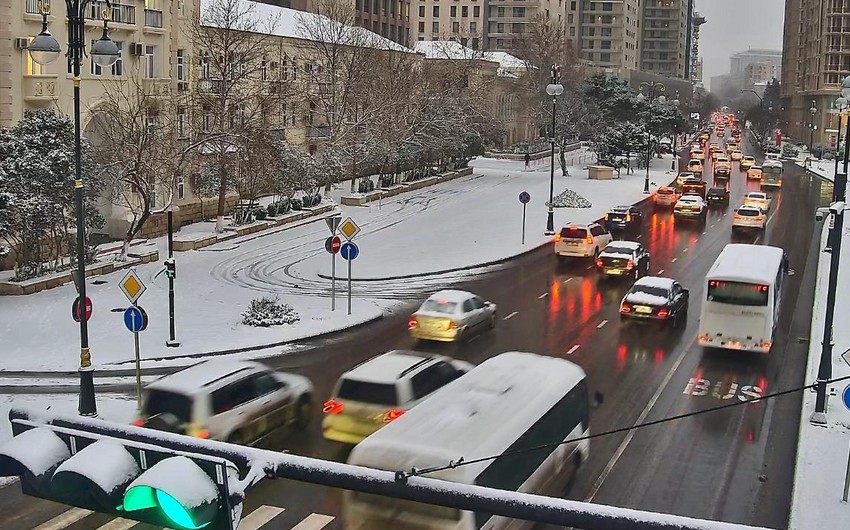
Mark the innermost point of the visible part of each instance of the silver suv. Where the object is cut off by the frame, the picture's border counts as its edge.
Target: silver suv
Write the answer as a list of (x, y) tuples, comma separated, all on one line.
[(234, 401), (379, 390)]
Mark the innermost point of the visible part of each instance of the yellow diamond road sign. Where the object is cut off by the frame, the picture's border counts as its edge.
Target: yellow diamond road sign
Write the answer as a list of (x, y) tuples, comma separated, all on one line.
[(132, 286), (349, 228)]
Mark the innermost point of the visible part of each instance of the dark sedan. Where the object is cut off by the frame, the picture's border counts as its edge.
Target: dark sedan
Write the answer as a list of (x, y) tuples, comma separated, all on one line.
[(657, 299), (623, 258), (623, 218), (717, 196)]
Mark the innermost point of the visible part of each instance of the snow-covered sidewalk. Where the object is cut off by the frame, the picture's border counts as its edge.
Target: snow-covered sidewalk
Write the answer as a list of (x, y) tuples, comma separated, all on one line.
[(457, 225), (823, 451)]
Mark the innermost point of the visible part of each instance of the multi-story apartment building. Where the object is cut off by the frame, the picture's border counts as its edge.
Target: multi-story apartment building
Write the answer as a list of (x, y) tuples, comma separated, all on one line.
[(815, 60), (759, 73), (610, 34), (388, 18), (738, 62), (664, 48)]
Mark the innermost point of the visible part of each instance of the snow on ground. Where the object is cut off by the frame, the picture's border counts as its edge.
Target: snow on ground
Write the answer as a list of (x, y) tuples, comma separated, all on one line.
[(823, 168), (822, 454), (466, 222)]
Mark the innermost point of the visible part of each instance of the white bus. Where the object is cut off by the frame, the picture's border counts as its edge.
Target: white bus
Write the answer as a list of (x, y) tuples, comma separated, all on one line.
[(512, 401), (742, 298), (771, 174)]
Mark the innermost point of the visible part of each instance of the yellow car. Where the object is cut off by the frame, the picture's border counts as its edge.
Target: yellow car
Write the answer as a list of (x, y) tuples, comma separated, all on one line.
[(754, 173), (737, 156), (748, 162), (731, 146), (695, 166), (698, 154)]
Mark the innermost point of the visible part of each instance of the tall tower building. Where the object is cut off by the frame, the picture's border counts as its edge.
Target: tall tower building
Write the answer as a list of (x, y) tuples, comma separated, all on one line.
[(664, 37), (610, 33)]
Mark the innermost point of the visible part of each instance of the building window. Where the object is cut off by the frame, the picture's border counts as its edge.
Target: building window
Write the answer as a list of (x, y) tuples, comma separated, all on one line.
[(464, 11), (181, 65), (463, 41), (181, 188), (500, 43), (473, 27), (519, 12), (150, 61), (181, 122), (572, 31), (605, 57), (435, 27), (500, 12), (455, 27), (500, 28), (570, 18), (205, 65), (474, 43), (206, 119), (453, 11), (607, 6), (435, 12), (421, 11), (476, 11), (421, 27)]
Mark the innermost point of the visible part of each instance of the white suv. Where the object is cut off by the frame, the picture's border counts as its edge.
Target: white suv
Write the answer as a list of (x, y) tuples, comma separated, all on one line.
[(235, 401), (581, 240), (379, 390)]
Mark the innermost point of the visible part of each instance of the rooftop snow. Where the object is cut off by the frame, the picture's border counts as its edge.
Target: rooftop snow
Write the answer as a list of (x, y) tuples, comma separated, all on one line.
[(656, 281), (447, 49), (385, 368), (747, 263), (198, 375)]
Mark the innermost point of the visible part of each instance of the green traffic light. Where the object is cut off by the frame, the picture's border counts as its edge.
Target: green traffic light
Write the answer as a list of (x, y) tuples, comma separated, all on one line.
[(145, 497)]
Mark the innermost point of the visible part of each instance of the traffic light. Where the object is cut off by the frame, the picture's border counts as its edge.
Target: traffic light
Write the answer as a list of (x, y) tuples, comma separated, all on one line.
[(171, 268), (140, 479)]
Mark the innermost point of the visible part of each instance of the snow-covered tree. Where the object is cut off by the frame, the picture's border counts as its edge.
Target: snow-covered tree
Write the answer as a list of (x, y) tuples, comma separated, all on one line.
[(615, 98), (622, 139)]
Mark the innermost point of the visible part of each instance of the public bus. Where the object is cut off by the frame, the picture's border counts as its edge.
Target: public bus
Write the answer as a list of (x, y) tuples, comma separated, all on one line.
[(509, 402), (771, 173), (742, 298)]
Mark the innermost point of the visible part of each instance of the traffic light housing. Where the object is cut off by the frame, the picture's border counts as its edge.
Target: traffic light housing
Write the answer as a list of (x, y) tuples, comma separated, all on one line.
[(139, 479)]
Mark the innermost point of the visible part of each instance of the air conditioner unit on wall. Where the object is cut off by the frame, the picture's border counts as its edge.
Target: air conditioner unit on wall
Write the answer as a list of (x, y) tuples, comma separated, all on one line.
[(138, 49), (22, 43)]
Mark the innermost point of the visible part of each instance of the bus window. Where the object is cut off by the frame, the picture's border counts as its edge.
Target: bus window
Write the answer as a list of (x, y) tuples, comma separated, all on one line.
[(738, 293)]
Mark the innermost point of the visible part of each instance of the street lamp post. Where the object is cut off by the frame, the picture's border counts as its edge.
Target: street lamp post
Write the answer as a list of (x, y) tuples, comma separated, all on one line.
[(553, 89), (675, 137), (650, 87), (45, 49), (841, 104), (813, 110)]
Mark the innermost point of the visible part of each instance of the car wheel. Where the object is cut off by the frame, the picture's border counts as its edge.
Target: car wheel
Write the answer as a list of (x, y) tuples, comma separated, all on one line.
[(303, 408)]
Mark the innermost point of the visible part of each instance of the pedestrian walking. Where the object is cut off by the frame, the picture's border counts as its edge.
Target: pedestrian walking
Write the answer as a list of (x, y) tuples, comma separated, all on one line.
[(527, 160)]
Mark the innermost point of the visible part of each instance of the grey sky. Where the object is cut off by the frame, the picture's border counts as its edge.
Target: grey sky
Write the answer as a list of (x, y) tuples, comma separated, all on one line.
[(735, 25)]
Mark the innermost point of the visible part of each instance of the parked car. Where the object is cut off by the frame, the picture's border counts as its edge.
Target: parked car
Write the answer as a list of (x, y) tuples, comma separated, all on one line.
[(451, 315), (381, 389), (759, 199), (747, 162), (666, 197), (748, 218), (653, 298), (695, 166), (690, 207), (754, 172), (623, 218), (693, 186), (623, 258), (234, 401), (717, 196), (581, 240)]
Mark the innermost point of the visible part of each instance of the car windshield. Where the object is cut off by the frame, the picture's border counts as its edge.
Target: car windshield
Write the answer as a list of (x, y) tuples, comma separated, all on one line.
[(619, 250), (717, 191), (571, 232), (162, 401), (439, 306), (368, 392), (649, 289), (665, 191), (748, 212)]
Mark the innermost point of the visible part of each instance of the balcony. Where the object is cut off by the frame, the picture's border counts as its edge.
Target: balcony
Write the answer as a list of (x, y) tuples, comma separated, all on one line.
[(318, 131), (157, 86), (153, 18), (121, 14), (31, 7), (41, 87)]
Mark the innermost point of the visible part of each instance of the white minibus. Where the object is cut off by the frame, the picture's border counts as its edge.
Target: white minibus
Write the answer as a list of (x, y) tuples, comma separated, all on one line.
[(510, 402), (742, 298)]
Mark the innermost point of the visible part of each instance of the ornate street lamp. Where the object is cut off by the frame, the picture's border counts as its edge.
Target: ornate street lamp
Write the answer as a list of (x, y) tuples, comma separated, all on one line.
[(554, 89), (45, 49), (651, 88)]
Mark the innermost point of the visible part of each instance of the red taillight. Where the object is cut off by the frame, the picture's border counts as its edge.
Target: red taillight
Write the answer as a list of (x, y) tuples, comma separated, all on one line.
[(393, 414), (452, 324), (412, 323), (599, 263), (139, 423), (589, 240), (663, 312), (332, 406), (625, 308), (630, 265), (203, 434), (557, 238)]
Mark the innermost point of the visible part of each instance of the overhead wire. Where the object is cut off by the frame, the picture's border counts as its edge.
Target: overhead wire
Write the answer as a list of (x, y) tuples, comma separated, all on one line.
[(416, 472)]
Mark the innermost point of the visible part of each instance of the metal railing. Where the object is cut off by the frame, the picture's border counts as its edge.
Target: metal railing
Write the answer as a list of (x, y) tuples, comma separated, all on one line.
[(32, 7), (122, 14), (153, 18)]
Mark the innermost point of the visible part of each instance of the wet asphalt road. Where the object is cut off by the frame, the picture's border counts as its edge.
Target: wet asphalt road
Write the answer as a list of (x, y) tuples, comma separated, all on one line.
[(734, 465)]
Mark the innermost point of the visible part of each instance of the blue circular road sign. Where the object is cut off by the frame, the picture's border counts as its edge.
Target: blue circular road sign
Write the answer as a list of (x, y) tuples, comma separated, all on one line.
[(845, 396), (135, 319), (349, 250), (524, 197)]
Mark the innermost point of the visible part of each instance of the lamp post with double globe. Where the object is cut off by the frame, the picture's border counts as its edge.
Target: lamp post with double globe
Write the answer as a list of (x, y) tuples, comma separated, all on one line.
[(651, 88), (44, 49), (554, 89)]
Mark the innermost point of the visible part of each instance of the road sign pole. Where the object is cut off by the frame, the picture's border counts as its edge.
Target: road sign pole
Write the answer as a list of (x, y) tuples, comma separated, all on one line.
[(172, 335), (138, 372), (333, 281), (523, 224), (349, 286)]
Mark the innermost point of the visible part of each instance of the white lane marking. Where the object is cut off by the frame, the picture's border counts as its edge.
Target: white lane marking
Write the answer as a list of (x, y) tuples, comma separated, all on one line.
[(544, 295), (515, 313), (589, 267), (625, 443), (673, 260), (314, 521), (119, 524), (473, 338), (661, 271), (64, 519), (568, 280), (641, 235), (601, 324), (684, 250), (712, 226), (704, 232), (572, 350), (259, 517)]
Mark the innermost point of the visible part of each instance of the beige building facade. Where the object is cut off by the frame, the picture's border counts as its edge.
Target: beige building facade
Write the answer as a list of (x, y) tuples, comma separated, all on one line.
[(664, 45), (610, 34)]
